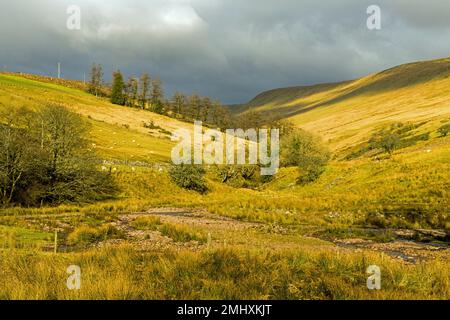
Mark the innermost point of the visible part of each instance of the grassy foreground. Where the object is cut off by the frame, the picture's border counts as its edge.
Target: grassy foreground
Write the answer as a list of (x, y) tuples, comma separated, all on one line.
[(228, 273)]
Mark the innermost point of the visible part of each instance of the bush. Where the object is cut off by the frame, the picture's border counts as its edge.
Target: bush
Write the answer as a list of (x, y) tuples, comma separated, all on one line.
[(190, 177), (307, 152), (386, 140), (444, 130), (242, 176)]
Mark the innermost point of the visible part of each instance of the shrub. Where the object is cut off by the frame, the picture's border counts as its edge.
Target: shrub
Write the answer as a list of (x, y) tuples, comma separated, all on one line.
[(306, 151), (241, 176), (151, 125), (444, 130), (189, 177), (386, 140)]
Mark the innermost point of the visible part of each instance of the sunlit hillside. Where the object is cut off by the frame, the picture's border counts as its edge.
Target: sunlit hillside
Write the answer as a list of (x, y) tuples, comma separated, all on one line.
[(346, 113), (117, 132)]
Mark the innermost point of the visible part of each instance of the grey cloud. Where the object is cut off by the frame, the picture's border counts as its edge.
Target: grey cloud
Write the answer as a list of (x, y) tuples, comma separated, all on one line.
[(228, 49)]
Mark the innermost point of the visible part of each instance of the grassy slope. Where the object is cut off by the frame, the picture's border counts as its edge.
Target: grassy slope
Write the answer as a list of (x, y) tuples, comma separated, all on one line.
[(117, 132), (346, 113)]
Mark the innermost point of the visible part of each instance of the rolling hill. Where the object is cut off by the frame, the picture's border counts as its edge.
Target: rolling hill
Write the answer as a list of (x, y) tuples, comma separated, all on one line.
[(345, 114), (117, 132)]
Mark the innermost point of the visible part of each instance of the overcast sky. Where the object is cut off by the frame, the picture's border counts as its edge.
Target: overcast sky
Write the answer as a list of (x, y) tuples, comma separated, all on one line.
[(227, 49)]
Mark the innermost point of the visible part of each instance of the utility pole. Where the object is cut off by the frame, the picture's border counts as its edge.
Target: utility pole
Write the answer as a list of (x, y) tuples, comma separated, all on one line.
[(59, 70)]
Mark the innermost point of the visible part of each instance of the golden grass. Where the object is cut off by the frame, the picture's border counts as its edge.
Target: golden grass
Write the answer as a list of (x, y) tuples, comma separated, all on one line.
[(345, 114), (228, 273), (118, 132)]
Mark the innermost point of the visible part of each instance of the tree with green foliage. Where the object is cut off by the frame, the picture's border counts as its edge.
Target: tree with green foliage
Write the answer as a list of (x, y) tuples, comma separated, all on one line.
[(444, 130), (387, 140), (189, 177), (44, 158), (118, 89), (390, 142), (307, 152)]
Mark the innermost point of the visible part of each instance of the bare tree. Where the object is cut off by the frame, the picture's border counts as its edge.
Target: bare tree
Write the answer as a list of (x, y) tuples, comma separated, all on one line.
[(178, 103), (144, 87), (132, 89), (96, 81)]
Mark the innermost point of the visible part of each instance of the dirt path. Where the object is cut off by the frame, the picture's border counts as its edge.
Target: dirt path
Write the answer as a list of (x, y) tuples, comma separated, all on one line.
[(407, 251), (154, 240)]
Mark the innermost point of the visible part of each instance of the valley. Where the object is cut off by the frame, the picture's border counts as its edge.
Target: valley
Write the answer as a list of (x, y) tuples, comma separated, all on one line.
[(271, 240)]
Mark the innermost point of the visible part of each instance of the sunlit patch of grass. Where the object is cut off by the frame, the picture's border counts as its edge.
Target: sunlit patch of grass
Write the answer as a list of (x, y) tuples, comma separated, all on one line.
[(17, 237), (177, 232), (85, 235)]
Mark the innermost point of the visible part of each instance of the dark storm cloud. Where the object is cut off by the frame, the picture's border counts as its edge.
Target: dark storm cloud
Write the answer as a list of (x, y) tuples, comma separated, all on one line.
[(229, 49)]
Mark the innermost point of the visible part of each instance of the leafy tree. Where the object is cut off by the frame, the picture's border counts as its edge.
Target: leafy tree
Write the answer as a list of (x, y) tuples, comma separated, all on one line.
[(444, 130), (306, 151), (387, 140), (144, 87), (118, 88), (44, 158), (189, 177)]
